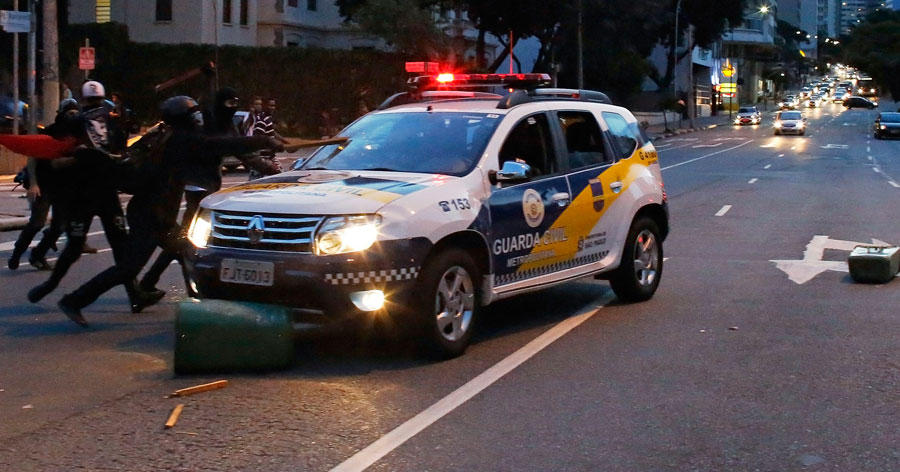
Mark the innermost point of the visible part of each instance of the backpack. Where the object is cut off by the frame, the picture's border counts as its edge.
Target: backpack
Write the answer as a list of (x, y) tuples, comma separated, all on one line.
[(143, 158)]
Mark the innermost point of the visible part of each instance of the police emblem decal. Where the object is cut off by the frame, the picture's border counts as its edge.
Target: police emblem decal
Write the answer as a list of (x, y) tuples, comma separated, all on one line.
[(256, 229), (533, 207)]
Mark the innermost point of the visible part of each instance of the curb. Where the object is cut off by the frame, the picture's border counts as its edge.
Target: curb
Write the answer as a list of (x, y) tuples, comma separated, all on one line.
[(13, 224), (7, 179)]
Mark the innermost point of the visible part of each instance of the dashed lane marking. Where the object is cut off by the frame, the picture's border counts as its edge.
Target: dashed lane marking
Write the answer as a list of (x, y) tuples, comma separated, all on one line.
[(707, 155), (782, 155), (392, 440), (877, 170), (723, 210), (895, 184), (752, 181), (767, 166)]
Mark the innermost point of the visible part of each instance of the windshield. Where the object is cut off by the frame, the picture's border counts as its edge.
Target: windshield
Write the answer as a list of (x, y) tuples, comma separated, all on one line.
[(890, 118), (745, 110), (791, 115), (434, 143)]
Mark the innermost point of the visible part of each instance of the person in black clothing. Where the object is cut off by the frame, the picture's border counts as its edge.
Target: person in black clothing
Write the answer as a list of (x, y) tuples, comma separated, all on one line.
[(42, 191), (90, 189), (205, 177), (153, 210)]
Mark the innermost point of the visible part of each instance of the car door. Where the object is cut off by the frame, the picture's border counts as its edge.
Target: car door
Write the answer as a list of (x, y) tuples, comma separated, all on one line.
[(524, 241), (593, 181)]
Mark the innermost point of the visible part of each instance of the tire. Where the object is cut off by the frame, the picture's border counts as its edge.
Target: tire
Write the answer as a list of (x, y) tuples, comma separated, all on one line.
[(802, 133), (643, 247), (446, 317), (777, 133)]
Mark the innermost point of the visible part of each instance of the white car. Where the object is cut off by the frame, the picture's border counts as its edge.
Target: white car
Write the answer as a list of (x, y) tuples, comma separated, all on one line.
[(434, 207), (748, 115), (790, 122)]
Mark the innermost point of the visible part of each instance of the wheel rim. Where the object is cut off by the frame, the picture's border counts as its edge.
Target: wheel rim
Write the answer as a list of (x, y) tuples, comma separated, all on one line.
[(646, 258), (454, 303)]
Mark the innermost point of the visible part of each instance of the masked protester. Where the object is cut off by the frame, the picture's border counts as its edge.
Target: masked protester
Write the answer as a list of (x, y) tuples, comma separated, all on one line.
[(205, 177), (90, 189), (43, 193), (153, 210)]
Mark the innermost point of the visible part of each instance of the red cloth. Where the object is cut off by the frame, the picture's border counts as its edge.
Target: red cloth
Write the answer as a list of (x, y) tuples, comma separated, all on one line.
[(39, 146)]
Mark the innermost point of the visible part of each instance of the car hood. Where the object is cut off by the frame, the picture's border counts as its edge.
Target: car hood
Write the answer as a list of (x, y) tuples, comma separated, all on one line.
[(790, 122), (322, 192)]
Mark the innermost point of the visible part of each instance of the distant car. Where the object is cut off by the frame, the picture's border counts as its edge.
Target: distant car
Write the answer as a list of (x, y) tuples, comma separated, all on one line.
[(859, 102), (789, 103), (748, 116), (790, 122), (814, 101), (887, 125)]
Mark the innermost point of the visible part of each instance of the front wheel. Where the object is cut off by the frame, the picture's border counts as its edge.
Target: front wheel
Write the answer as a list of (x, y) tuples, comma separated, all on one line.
[(639, 272), (447, 303)]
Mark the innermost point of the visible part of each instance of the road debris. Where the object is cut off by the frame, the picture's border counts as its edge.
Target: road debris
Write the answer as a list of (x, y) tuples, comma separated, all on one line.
[(199, 388), (733, 328), (28, 407), (173, 418)]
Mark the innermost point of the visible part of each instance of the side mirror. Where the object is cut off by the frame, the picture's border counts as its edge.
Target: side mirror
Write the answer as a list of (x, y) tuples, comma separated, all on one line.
[(511, 171)]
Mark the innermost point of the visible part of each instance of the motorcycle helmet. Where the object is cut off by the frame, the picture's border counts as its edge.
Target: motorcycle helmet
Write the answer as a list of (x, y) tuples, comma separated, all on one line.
[(92, 89), (181, 112), (68, 106)]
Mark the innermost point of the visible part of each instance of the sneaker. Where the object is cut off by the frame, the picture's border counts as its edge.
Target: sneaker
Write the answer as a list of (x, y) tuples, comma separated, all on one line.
[(88, 249), (13, 262), (144, 299), (73, 313), (39, 292), (40, 263)]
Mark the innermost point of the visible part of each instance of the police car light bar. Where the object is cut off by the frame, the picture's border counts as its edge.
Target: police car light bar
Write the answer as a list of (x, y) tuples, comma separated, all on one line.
[(479, 80), (423, 67)]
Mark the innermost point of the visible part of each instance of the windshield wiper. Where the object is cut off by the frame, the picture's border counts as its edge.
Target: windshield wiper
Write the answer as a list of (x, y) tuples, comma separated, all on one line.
[(382, 168)]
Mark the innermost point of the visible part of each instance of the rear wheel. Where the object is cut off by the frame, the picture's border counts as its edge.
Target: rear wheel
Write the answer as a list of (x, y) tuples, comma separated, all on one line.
[(639, 272), (448, 303)]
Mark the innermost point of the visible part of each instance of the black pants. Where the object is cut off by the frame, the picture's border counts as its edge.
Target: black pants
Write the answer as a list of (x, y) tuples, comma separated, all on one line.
[(151, 277), (78, 215), (143, 239), (40, 208)]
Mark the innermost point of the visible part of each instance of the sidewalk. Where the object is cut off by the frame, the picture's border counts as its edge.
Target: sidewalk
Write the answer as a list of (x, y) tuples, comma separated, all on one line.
[(13, 210), (701, 123)]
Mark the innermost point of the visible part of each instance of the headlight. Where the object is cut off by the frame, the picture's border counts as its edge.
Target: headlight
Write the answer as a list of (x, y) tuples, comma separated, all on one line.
[(343, 234), (778, 124), (801, 125), (201, 228), (882, 127)]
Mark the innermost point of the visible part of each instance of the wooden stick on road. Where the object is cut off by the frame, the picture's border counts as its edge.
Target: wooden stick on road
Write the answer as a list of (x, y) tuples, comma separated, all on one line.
[(199, 388), (173, 418)]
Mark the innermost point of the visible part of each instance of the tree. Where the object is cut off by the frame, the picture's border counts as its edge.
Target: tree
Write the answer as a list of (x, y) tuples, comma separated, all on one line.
[(872, 47), (406, 25), (709, 18)]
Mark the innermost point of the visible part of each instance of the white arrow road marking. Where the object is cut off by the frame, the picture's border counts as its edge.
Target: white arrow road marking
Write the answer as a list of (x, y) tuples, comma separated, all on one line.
[(804, 270), (723, 210), (706, 145)]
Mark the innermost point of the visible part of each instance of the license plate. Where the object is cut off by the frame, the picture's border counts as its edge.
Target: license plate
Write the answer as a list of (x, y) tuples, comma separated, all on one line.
[(247, 272)]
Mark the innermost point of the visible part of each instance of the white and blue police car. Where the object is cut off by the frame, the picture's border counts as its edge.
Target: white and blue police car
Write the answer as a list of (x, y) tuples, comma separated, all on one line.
[(440, 202)]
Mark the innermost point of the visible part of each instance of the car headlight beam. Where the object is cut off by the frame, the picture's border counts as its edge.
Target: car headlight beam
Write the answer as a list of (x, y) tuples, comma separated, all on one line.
[(201, 229), (344, 234)]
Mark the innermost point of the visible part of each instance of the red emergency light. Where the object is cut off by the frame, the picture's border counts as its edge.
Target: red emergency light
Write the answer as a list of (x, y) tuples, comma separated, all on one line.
[(479, 80), (423, 67)]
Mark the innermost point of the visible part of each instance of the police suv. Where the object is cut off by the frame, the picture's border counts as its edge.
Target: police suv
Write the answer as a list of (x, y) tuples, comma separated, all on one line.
[(440, 202)]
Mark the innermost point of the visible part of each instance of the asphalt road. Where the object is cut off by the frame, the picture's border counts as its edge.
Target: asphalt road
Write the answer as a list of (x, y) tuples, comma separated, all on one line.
[(758, 352)]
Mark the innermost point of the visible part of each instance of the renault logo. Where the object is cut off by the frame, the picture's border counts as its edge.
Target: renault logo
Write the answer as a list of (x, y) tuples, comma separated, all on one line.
[(256, 229)]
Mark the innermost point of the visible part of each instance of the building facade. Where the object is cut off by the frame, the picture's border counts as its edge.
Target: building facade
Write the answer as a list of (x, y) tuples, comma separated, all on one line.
[(279, 23), (746, 50)]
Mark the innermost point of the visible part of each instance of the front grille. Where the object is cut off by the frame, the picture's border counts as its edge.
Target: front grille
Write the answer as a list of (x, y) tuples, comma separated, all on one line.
[(288, 233)]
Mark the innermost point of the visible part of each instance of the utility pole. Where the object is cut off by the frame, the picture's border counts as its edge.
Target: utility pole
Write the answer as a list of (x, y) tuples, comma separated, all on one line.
[(691, 98), (580, 46), (50, 62), (675, 51), (32, 69), (15, 75)]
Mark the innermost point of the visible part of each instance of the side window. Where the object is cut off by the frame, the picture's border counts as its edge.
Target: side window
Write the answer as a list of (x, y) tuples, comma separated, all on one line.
[(584, 140), (530, 142), (621, 133)]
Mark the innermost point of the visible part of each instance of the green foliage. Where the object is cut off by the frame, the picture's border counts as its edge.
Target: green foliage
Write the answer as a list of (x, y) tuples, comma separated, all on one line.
[(873, 48), (403, 24), (304, 81)]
